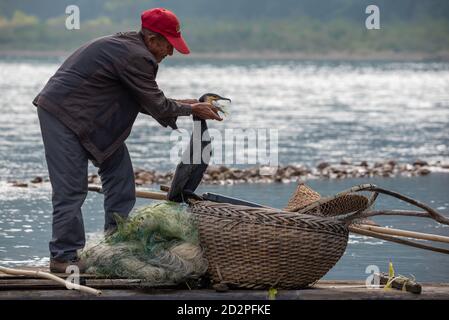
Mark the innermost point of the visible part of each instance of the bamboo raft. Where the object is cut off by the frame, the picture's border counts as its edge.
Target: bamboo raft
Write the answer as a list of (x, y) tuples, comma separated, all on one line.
[(31, 287), (305, 205)]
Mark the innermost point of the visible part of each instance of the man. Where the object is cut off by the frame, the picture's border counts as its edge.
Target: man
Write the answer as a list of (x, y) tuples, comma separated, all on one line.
[(86, 111)]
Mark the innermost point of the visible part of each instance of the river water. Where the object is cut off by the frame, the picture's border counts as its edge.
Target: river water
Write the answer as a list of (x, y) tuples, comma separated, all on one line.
[(323, 111)]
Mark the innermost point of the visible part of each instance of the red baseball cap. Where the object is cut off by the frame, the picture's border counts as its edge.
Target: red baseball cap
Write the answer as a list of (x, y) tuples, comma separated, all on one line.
[(166, 23)]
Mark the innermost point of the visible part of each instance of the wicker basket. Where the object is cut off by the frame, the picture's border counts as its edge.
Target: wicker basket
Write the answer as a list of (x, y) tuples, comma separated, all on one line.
[(260, 248)]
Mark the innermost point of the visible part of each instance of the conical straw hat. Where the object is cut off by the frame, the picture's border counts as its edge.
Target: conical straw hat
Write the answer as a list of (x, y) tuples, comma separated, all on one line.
[(301, 198), (304, 196)]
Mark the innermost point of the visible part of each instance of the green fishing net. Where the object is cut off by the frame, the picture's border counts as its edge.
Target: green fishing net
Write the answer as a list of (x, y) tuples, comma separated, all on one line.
[(157, 244)]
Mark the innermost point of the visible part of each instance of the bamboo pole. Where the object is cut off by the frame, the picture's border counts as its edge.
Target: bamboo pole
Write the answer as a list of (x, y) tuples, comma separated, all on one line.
[(404, 233), (368, 233), (404, 213), (139, 193), (376, 232), (46, 275), (152, 195)]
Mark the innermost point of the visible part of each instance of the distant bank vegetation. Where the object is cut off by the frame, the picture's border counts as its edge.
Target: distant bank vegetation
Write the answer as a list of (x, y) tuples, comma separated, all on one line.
[(338, 27)]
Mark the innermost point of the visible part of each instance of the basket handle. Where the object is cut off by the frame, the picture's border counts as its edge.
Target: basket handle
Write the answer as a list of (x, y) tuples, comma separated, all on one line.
[(427, 213)]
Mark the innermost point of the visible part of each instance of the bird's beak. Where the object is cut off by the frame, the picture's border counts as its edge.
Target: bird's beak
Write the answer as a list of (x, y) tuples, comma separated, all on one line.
[(223, 98)]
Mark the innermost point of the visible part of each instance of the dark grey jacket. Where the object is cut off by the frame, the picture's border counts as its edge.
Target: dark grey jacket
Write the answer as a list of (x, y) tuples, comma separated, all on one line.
[(99, 90)]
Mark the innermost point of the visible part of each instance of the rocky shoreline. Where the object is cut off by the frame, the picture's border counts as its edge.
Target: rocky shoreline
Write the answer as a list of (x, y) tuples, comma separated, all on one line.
[(283, 174)]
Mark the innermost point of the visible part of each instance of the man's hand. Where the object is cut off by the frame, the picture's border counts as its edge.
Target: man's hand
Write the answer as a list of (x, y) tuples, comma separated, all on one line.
[(205, 111)]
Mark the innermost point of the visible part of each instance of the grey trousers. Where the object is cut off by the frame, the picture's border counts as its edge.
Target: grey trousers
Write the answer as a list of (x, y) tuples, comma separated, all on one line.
[(67, 163)]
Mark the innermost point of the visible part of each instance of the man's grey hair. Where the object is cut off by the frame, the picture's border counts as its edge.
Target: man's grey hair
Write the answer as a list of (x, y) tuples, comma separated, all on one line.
[(148, 33)]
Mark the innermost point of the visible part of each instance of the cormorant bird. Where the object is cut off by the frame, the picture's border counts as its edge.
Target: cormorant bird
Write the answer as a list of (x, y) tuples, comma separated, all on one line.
[(189, 172)]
